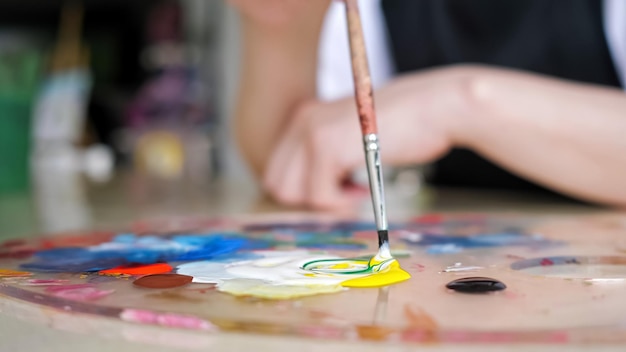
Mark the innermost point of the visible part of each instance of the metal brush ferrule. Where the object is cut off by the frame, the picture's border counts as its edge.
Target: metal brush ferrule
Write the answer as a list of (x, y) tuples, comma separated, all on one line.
[(375, 174)]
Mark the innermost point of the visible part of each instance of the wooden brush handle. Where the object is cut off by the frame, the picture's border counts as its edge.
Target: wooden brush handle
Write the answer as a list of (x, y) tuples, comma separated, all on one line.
[(360, 70)]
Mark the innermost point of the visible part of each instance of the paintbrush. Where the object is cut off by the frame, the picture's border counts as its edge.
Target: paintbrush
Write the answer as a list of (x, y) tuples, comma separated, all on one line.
[(365, 106)]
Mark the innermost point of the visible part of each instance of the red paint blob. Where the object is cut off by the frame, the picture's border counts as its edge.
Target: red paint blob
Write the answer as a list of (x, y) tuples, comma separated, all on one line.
[(17, 254), (13, 243), (429, 219), (546, 262), (158, 268), (163, 281)]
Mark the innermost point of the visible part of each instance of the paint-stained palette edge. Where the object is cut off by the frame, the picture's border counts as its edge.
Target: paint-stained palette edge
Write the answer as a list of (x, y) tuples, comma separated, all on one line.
[(408, 334)]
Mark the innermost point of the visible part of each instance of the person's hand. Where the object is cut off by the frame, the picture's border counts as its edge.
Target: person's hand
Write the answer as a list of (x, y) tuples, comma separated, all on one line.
[(417, 118), (280, 13)]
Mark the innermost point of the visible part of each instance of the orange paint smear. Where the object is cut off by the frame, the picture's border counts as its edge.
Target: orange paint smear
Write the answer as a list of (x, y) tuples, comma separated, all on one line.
[(422, 326), (13, 273), (158, 268), (373, 332)]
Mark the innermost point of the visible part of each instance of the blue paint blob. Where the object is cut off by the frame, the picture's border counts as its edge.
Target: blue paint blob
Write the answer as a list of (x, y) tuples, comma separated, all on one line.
[(353, 226), (208, 250), (125, 238), (340, 226), (73, 265), (198, 240), (126, 249), (280, 226), (338, 240), (504, 239), (557, 260), (62, 253), (230, 258), (443, 249), (445, 244)]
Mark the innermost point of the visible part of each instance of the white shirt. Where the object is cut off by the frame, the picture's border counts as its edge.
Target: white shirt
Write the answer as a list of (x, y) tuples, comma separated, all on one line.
[(334, 72)]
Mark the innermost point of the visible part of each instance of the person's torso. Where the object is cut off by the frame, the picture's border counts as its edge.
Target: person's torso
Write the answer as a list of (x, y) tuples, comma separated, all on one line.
[(560, 38)]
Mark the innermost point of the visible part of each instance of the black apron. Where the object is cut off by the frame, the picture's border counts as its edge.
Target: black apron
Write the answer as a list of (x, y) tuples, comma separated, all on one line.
[(561, 38)]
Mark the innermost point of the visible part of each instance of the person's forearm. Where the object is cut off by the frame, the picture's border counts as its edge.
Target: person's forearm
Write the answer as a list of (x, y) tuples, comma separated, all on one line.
[(278, 73), (567, 136)]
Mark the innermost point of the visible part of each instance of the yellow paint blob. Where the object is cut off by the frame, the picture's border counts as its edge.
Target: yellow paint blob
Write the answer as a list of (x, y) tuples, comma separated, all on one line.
[(390, 275), (290, 275), (261, 289)]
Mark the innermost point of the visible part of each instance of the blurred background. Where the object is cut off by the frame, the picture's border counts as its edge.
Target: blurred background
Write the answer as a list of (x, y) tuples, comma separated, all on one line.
[(112, 111), (113, 101)]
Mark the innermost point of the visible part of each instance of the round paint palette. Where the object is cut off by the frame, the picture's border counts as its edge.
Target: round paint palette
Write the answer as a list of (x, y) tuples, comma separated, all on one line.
[(565, 278)]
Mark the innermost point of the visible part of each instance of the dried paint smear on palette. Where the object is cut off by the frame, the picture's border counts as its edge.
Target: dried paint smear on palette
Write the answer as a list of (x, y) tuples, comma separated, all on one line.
[(325, 279), (236, 264), (270, 260)]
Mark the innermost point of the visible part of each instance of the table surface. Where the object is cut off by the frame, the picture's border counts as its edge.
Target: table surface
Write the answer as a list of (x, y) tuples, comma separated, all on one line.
[(128, 198)]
